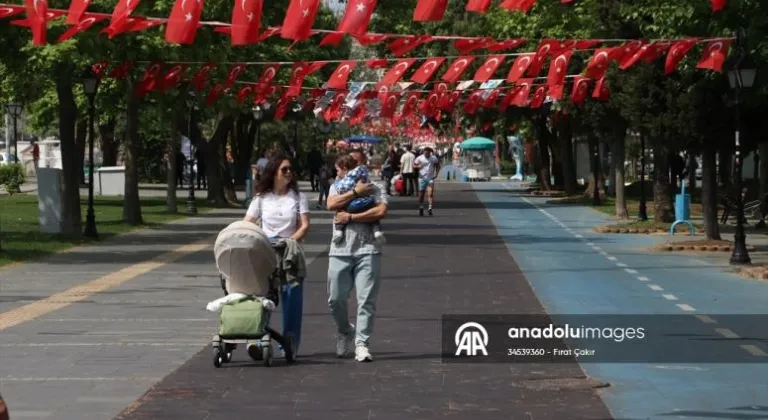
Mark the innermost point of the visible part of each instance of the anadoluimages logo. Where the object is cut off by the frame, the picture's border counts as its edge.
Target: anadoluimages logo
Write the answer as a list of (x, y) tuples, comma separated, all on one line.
[(470, 339)]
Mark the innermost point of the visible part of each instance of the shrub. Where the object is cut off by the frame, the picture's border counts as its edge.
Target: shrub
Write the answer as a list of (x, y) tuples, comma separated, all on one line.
[(12, 177)]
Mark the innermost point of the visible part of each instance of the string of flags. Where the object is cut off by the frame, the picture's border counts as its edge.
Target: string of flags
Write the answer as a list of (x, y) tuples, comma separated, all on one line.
[(182, 24)]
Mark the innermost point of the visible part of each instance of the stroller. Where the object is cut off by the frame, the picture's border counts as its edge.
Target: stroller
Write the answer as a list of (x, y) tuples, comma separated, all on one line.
[(250, 276)]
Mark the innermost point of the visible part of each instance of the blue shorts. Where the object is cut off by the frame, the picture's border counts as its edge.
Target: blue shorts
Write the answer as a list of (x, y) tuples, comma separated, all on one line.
[(425, 182)]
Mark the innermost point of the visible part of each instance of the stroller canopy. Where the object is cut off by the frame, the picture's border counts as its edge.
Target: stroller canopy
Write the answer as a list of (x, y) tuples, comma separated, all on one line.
[(244, 256)]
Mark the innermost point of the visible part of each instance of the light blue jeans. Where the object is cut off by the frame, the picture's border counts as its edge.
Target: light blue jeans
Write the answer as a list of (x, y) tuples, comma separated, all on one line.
[(363, 273)]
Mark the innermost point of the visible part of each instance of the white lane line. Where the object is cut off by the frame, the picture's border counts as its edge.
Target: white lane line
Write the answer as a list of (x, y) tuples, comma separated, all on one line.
[(118, 344), (31, 414), (578, 236), (753, 350), (591, 244), (643, 278), (686, 307), (705, 319), (630, 271), (725, 332), (655, 287), (670, 297), (612, 258), (597, 248), (622, 265)]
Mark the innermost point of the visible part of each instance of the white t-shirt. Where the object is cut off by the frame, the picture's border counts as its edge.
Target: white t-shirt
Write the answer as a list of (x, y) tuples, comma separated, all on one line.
[(406, 162), (279, 213), (428, 166)]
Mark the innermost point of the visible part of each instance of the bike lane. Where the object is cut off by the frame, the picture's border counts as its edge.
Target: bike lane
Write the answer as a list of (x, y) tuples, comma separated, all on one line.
[(574, 270)]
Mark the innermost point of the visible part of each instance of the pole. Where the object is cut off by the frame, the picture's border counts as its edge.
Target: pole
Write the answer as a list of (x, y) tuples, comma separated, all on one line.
[(191, 202), (15, 138), (90, 218), (595, 171), (642, 213), (740, 255)]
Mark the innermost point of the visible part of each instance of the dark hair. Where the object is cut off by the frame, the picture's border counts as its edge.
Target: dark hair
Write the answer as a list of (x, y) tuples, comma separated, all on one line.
[(267, 182), (361, 153), (408, 147), (347, 162)]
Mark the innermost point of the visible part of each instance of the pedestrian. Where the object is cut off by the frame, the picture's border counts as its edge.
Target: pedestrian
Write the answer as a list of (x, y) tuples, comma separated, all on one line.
[(355, 263), (261, 163), (282, 212), (314, 163), (406, 170), (35, 155), (202, 178), (428, 166), (180, 162), (326, 175)]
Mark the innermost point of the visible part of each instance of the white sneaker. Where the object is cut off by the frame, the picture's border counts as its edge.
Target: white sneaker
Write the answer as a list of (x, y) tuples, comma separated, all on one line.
[(362, 354), (344, 344)]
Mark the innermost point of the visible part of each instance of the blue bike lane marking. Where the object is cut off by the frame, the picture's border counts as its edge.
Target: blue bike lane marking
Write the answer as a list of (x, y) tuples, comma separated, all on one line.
[(574, 270)]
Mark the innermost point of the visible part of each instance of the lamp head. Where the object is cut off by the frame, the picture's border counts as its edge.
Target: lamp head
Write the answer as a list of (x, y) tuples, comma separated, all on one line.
[(90, 82)]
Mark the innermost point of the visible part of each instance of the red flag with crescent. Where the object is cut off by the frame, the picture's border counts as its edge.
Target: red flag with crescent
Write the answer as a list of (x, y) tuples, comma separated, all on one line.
[(558, 69), (150, 80), (626, 50), (676, 54), (10, 10), (246, 21), (199, 79), (424, 73), (298, 71), (245, 92), (183, 21), (599, 63), (718, 5), (394, 74), (468, 45), (389, 106), (299, 18), (214, 94), (76, 11), (523, 91), (505, 45), (457, 68), (556, 92), (486, 71), (430, 10), (601, 92), (85, 23), (713, 56), (357, 17), (234, 72), (546, 48), (478, 6), (519, 67), (120, 15), (411, 102), (173, 77), (490, 101), (37, 17), (473, 102), (404, 45), (519, 5), (268, 76), (340, 76), (377, 63), (580, 90), (538, 97)]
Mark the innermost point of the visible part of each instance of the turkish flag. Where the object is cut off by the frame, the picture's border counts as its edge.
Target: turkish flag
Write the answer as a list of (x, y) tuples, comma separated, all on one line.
[(120, 15), (214, 94), (298, 72), (519, 67), (556, 92), (521, 5), (713, 56), (449, 101), (522, 91), (580, 90), (538, 97), (85, 23), (358, 114), (340, 76), (486, 71), (377, 63), (599, 63), (601, 92), (429, 10), (370, 39), (545, 49), (473, 102), (389, 105), (467, 45), (429, 106), (334, 108), (357, 17), (427, 70), (10, 10), (173, 77), (183, 21), (479, 6), (138, 24), (150, 80), (625, 51), (505, 45), (121, 71), (333, 39), (268, 76), (76, 11), (245, 93), (457, 69), (199, 79), (404, 45), (299, 19), (490, 101), (234, 72), (411, 102), (37, 16), (559, 68), (647, 53), (396, 72), (246, 21), (718, 5), (676, 53)]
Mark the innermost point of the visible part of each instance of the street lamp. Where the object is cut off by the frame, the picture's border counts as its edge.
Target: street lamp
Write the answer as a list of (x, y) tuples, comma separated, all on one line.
[(90, 87), (642, 211), (740, 76), (191, 202), (258, 116), (14, 109)]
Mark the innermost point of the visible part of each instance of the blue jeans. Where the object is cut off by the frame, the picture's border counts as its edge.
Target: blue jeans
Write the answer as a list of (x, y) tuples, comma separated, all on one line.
[(362, 273), (292, 301)]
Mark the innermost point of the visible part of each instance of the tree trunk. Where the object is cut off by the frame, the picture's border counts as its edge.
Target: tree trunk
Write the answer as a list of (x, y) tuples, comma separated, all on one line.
[(174, 139), (594, 168), (565, 135), (557, 164), (763, 179), (692, 169), (71, 219), (132, 203), (545, 178), (662, 193), (110, 147), (617, 161), (242, 147), (213, 156), (81, 137), (709, 190)]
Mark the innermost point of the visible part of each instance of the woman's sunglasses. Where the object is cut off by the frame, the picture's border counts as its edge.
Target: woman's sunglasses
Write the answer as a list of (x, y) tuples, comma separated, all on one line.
[(286, 169)]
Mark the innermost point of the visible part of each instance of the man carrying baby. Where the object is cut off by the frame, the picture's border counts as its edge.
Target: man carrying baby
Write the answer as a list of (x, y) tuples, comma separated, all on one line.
[(355, 263)]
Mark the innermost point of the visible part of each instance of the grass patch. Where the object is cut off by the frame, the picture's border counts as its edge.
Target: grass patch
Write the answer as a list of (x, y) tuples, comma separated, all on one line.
[(648, 226), (608, 205), (22, 240)]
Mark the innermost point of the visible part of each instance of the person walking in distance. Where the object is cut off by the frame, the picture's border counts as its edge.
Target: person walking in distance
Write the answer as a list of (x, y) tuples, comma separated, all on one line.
[(406, 170), (202, 179), (428, 166), (36, 155), (314, 163), (355, 263)]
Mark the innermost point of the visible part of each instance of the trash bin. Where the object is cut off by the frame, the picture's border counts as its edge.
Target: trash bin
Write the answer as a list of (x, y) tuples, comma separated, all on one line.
[(683, 206)]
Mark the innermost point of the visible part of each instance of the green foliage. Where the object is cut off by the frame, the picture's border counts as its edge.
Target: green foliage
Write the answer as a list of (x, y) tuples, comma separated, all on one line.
[(11, 177)]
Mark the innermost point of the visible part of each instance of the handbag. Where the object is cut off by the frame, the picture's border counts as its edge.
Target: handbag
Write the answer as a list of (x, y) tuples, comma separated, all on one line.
[(245, 318)]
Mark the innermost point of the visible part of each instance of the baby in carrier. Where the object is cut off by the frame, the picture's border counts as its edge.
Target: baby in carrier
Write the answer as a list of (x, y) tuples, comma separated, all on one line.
[(354, 174)]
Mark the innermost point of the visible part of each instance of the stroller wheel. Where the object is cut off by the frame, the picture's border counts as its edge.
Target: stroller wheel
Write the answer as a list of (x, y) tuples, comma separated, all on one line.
[(267, 355), (218, 357), (290, 348), (228, 349)]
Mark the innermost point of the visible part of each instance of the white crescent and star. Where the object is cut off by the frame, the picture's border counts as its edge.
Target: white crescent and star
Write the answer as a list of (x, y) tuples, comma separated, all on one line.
[(490, 64), (558, 68), (460, 65), (524, 62), (297, 71), (5, 11), (86, 23), (428, 69), (342, 70), (269, 74), (397, 67), (598, 62), (715, 48)]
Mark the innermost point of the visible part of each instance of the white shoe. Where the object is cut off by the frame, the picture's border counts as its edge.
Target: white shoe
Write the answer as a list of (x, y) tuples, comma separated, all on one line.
[(362, 354), (344, 344)]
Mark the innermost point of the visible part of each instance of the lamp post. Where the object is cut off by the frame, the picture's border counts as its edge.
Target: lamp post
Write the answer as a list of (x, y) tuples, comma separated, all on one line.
[(258, 116), (14, 110), (191, 202), (90, 87), (642, 213), (740, 76)]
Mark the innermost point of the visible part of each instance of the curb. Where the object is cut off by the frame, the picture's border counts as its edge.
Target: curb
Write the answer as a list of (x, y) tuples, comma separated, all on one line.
[(698, 248)]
